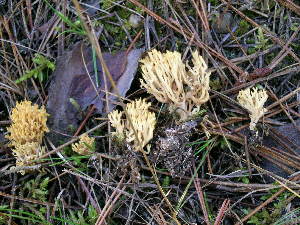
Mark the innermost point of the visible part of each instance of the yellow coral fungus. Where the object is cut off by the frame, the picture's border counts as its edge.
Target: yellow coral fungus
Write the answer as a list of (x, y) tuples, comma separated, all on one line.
[(142, 122), (116, 122), (26, 153), (253, 100), (28, 123), (171, 81), (85, 146)]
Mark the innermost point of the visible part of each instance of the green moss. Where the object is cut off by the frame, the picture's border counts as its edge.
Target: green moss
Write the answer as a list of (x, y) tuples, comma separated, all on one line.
[(251, 50), (83, 217), (244, 27), (269, 58), (296, 47), (116, 31), (214, 2), (215, 84), (250, 41), (37, 188)]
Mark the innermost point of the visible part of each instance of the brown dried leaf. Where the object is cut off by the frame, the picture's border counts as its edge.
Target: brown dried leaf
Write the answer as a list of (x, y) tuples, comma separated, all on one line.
[(74, 78), (280, 139)]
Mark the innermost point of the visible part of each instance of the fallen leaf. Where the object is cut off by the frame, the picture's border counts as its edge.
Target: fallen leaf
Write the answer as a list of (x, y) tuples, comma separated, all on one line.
[(280, 139), (74, 78)]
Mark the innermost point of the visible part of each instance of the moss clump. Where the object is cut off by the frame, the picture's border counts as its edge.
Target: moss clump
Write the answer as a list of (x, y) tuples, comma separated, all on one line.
[(244, 27)]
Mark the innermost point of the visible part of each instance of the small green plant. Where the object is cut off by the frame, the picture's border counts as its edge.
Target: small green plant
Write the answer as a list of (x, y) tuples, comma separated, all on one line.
[(245, 178), (37, 188), (106, 4), (23, 215), (262, 217), (269, 216), (79, 218), (166, 182), (244, 27), (262, 43), (200, 145), (214, 2), (73, 157), (294, 26), (43, 65), (73, 27), (3, 217), (2, 220)]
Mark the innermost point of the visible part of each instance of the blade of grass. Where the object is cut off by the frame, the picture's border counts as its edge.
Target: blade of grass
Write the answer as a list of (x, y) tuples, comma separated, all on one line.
[(33, 218), (65, 19)]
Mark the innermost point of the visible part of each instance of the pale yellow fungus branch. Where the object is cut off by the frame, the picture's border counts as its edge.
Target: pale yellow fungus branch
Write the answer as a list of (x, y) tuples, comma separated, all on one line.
[(85, 146), (28, 123), (25, 154), (253, 100), (116, 122), (166, 77), (27, 129), (142, 124)]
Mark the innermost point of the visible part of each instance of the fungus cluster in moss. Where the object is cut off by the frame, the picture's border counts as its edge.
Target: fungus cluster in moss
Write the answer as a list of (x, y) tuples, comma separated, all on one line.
[(140, 122), (28, 126), (171, 81)]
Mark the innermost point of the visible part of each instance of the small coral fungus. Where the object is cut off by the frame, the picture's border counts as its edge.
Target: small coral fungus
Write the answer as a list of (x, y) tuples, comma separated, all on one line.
[(28, 126), (253, 100), (28, 123), (138, 128), (116, 122), (25, 154), (183, 87), (143, 122), (85, 146)]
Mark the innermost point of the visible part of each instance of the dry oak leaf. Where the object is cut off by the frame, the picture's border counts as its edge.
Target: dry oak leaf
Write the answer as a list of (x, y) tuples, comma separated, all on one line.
[(75, 78)]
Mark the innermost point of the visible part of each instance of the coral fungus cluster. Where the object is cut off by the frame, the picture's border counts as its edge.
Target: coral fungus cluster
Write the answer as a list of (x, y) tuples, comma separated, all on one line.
[(182, 87), (28, 123), (85, 146), (25, 154), (253, 100), (28, 126), (138, 127)]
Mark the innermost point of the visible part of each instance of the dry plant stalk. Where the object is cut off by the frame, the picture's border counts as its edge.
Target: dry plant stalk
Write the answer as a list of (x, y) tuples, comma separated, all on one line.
[(183, 87), (253, 100), (143, 123), (28, 126), (85, 146)]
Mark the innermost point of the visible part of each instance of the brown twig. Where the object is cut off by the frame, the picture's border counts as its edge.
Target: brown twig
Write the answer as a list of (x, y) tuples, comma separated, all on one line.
[(265, 203), (222, 212)]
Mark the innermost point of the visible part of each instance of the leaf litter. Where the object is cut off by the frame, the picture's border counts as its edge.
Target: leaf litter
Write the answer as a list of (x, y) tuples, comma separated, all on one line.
[(74, 79)]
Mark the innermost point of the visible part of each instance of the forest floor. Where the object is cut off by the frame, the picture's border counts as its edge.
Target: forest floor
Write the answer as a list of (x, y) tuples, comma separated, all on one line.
[(80, 59)]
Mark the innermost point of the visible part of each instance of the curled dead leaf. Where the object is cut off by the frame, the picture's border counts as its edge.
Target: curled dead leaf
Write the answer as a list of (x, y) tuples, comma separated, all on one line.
[(75, 78)]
